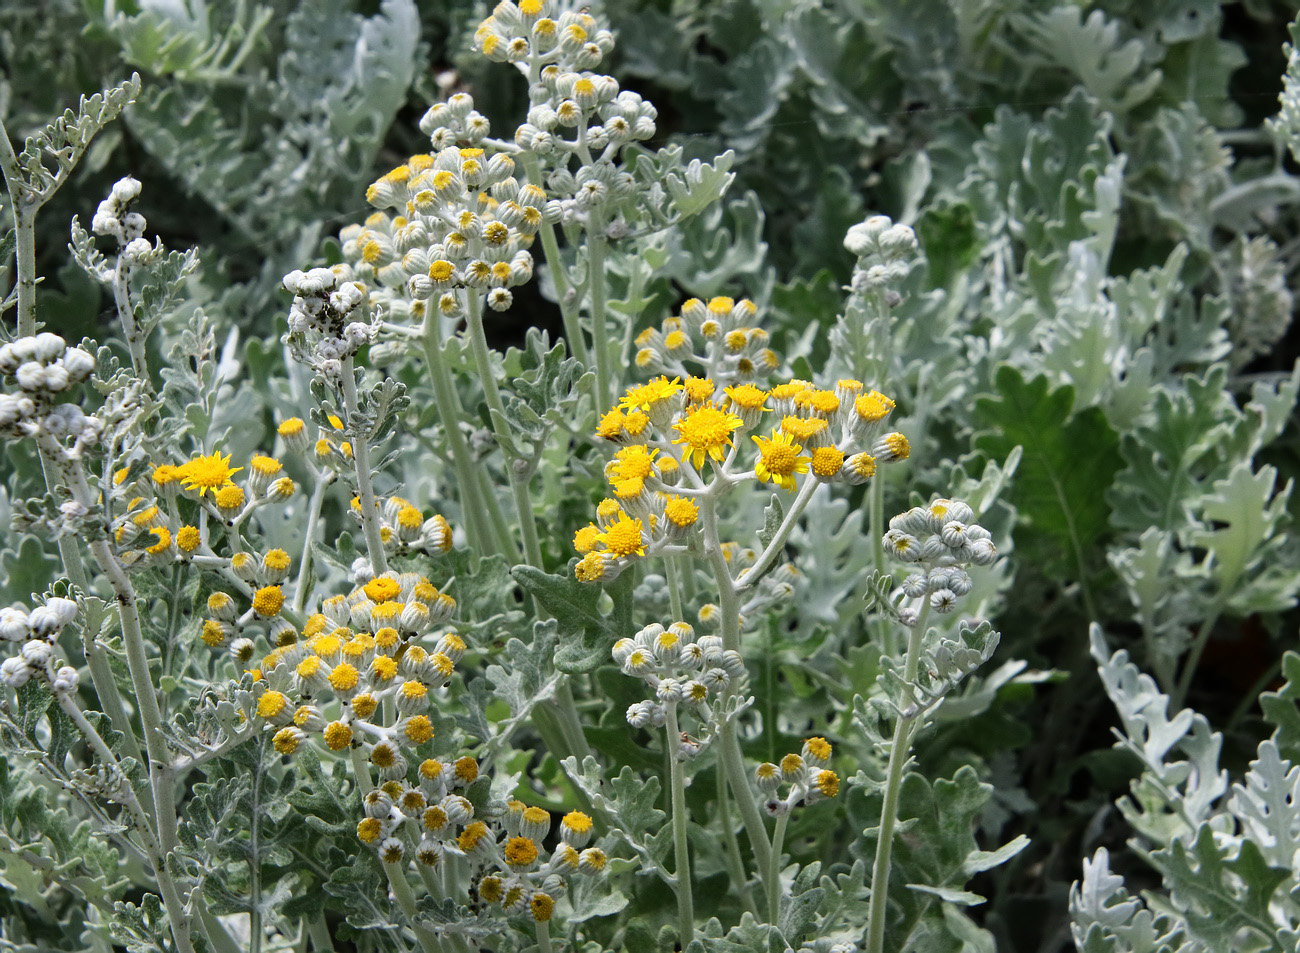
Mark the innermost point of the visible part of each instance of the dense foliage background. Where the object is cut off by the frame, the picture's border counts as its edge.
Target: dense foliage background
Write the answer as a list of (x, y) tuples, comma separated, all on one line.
[(1110, 240)]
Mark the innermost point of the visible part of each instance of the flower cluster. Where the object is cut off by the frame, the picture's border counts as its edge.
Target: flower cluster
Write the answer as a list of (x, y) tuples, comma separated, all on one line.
[(523, 880), (885, 252), (404, 529), (670, 430), (38, 631), (805, 775), (940, 539), (362, 651), (323, 326), (718, 339), (681, 670), (463, 222), (43, 366), (114, 218), (151, 529)]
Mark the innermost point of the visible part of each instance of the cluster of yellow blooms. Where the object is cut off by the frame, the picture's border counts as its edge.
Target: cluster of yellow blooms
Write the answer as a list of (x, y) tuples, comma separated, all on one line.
[(152, 529), (806, 774), (361, 650), (669, 431), (719, 337)]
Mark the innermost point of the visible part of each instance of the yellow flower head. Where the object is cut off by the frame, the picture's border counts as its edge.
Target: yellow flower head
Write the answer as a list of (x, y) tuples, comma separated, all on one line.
[(746, 397), (381, 589), (586, 539), (633, 463), (699, 389), (520, 852), (681, 511), (188, 539), (779, 460), (706, 432), (651, 394), (210, 472), (624, 537), (268, 601)]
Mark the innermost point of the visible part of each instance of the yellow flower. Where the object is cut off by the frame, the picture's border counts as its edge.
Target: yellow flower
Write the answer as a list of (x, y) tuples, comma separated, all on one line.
[(163, 541), (828, 783), (779, 460), (706, 432), (586, 539), (268, 601), (634, 462), (466, 769), (188, 539), (541, 906), (651, 394), (229, 498), (381, 589), (338, 735), (681, 511), (369, 830), (699, 389), (827, 461), (165, 475), (872, 407), (419, 729), (624, 537), (210, 472), (520, 852)]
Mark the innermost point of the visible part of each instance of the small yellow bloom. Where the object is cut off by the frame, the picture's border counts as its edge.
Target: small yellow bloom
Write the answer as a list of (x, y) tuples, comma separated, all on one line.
[(210, 472), (706, 432), (188, 539), (162, 541), (624, 537), (520, 852), (268, 601), (779, 460), (337, 735)]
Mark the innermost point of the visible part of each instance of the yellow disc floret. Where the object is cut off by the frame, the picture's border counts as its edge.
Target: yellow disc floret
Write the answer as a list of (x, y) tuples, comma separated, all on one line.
[(624, 537), (779, 460), (210, 472), (706, 432)]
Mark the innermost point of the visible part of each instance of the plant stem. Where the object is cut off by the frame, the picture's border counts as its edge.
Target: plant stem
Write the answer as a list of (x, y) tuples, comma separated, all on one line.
[(370, 523), (674, 588), (596, 247), (1198, 646), (735, 867), (475, 496), (729, 741), (319, 932), (543, 931), (24, 204), (126, 314), (876, 529), (323, 481), (783, 531), (774, 872), (563, 287), (898, 756), (681, 848), (497, 414)]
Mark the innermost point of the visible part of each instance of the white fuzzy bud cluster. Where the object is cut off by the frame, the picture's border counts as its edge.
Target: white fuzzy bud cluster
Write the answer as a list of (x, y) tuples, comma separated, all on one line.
[(682, 672), (37, 631), (114, 217), (454, 122), (885, 252), (544, 30), (941, 539), (43, 366), (328, 307), (722, 334)]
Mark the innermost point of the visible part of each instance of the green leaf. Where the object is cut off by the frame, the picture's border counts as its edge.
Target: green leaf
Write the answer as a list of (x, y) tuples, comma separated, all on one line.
[(1069, 461), (585, 634)]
